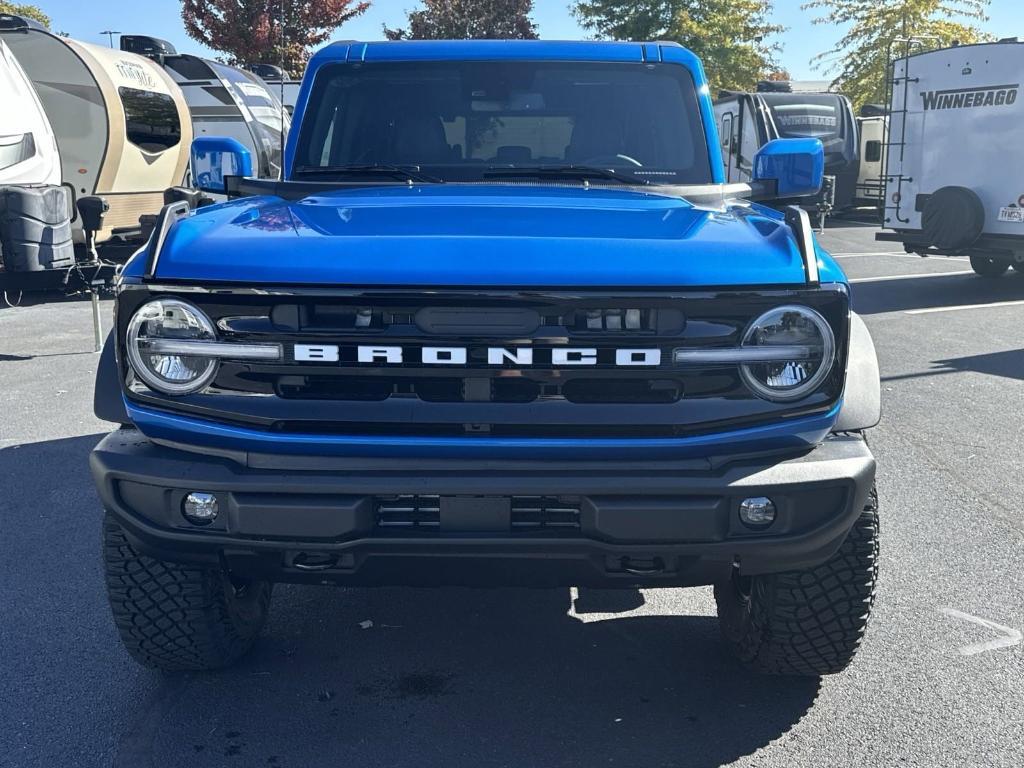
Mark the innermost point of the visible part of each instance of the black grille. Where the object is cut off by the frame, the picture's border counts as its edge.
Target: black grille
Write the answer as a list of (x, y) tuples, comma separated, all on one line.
[(478, 398)]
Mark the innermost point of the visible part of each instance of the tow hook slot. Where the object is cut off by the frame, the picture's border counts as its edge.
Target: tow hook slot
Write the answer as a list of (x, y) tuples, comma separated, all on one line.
[(314, 561), (639, 566)]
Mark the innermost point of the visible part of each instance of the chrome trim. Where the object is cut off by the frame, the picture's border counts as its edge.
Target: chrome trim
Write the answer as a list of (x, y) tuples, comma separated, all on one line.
[(219, 349), (800, 223), (745, 355), (169, 216)]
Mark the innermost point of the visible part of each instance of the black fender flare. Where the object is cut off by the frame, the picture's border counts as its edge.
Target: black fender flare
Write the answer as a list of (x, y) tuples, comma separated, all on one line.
[(862, 398), (107, 399)]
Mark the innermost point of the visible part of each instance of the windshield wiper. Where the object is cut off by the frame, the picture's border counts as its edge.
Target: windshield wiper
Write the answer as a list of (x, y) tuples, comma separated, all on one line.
[(583, 172), (404, 172)]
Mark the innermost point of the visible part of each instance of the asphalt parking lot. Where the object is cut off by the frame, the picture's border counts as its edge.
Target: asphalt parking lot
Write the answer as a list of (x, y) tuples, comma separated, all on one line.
[(551, 678)]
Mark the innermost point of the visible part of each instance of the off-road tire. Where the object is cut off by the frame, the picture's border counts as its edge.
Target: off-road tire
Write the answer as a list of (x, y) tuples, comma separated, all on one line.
[(986, 267), (805, 623), (177, 617)]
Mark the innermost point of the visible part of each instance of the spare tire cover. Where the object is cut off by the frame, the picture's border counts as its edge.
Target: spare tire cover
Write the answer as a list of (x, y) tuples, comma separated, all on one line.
[(953, 217)]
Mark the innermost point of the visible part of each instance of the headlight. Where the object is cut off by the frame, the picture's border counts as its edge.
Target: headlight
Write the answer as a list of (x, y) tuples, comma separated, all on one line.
[(150, 343), (791, 351)]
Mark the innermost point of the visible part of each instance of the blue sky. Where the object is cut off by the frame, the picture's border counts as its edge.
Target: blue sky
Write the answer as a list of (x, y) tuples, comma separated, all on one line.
[(161, 18)]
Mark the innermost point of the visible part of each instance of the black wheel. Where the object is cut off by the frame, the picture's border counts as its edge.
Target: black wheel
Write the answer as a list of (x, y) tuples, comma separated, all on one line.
[(987, 267), (809, 622), (179, 617)]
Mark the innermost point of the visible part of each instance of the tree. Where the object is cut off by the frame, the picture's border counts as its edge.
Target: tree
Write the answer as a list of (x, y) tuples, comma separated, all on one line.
[(28, 11), (730, 36), (250, 31), (860, 59), (469, 20)]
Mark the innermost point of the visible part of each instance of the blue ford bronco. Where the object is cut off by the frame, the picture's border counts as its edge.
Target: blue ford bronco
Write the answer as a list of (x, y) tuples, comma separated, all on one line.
[(501, 322)]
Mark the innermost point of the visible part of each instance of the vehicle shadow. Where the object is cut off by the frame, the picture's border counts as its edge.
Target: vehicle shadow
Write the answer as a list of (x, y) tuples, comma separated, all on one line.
[(445, 677), (1009, 364), (872, 298), (459, 677), (864, 217)]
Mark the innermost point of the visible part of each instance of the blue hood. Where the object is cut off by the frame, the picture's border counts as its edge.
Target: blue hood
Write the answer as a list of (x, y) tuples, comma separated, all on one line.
[(483, 236)]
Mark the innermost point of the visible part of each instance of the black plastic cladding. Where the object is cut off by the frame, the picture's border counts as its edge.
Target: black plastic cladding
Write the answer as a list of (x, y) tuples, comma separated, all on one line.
[(411, 398)]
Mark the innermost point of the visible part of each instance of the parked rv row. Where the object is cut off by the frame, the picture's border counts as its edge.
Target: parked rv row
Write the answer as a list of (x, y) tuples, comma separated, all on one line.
[(941, 160), (782, 110), (92, 139)]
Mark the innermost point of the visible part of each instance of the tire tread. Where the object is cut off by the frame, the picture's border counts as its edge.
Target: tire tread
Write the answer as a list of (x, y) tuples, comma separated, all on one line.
[(172, 616), (810, 622)]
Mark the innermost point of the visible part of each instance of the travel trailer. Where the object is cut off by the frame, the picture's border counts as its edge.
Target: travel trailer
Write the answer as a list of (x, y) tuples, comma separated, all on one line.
[(748, 121), (121, 124), (871, 127), (284, 87), (35, 209), (223, 101), (954, 162)]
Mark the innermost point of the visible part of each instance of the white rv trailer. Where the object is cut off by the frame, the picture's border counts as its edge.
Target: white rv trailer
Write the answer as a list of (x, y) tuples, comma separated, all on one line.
[(28, 148), (35, 209), (121, 123), (955, 156), (224, 101), (871, 129)]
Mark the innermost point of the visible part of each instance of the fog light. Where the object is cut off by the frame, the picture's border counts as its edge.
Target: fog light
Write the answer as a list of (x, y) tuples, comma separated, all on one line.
[(200, 508), (757, 512)]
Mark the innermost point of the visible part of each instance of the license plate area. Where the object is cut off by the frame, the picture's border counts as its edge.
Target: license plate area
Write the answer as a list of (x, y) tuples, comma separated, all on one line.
[(490, 514)]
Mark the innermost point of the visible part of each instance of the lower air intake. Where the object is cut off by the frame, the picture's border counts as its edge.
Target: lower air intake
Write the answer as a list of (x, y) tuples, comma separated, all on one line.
[(421, 514)]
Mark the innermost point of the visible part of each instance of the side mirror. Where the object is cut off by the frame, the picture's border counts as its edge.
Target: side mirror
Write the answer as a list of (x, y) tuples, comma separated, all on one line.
[(795, 167), (216, 157)]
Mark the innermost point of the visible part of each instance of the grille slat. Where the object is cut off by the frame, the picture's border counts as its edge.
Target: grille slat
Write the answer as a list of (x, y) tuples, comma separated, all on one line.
[(422, 514)]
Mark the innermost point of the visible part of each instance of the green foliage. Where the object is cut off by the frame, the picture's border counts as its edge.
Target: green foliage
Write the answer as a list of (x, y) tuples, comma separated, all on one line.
[(469, 20), (28, 11), (731, 37), (860, 59)]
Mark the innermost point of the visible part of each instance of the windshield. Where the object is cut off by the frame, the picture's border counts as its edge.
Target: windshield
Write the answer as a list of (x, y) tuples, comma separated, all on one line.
[(459, 121), (823, 116)]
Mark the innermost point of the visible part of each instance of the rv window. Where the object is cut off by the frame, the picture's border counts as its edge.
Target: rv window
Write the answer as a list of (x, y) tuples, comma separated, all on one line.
[(16, 149), (750, 142), (189, 68), (873, 151), (151, 119)]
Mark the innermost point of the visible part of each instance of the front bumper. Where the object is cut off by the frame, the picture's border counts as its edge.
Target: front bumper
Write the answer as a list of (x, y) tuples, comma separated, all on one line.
[(661, 523)]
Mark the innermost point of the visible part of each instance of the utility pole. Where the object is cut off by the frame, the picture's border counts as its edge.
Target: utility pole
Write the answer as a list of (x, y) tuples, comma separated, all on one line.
[(110, 35)]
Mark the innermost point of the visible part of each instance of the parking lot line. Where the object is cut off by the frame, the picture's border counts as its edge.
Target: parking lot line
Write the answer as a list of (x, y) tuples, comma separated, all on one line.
[(882, 278), (901, 254), (960, 307), (869, 253)]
